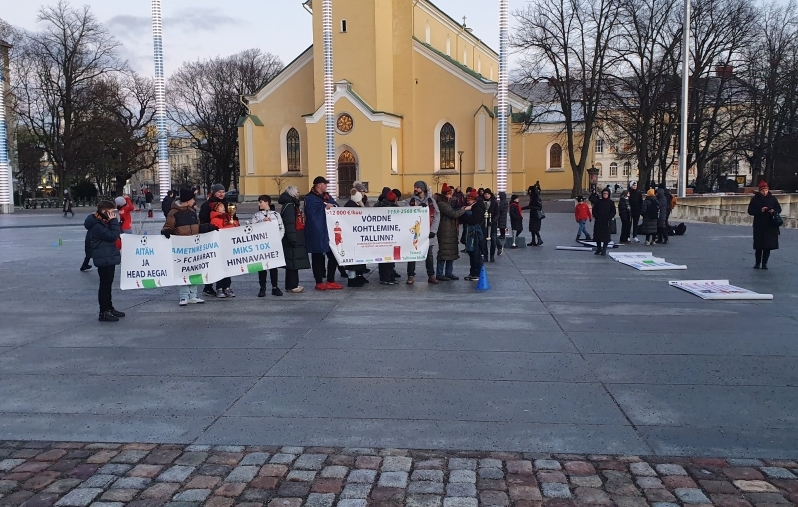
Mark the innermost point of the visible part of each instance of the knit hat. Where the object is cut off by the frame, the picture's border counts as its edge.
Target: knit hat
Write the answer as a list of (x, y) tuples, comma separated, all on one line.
[(473, 194), (651, 192), (360, 187), (356, 195), (120, 201), (488, 191), (216, 188), (579, 198), (186, 195), (391, 196), (632, 183), (445, 189), (421, 185), (397, 193), (763, 184)]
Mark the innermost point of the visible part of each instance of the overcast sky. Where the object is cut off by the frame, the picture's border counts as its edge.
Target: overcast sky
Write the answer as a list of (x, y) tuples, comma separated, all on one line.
[(196, 29)]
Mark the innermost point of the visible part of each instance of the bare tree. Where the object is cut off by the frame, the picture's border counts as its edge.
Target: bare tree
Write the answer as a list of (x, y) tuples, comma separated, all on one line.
[(721, 30), (52, 73), (641, 97), (121, 128), (567, 43), (205, 102), (771, 83)]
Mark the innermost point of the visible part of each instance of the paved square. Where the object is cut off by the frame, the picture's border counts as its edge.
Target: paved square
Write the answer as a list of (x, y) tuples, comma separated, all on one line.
[(568, 353)]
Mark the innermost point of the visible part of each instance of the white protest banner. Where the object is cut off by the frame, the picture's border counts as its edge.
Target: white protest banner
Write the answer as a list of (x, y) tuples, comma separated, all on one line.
[(630, 255), (146, 262), (378, 235), (651, 264), (717, 290), (197, 259), (251, 248)]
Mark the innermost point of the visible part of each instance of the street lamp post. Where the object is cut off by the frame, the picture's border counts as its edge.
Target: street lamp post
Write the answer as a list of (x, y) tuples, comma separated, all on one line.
[(461, 153), (685, 96)]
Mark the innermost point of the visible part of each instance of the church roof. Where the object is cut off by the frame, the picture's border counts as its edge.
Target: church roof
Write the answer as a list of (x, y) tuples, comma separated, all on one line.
[(443, 13), (454, 62)]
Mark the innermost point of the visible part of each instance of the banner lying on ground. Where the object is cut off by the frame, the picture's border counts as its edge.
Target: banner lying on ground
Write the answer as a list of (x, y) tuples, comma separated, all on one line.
[(717, 289), (645, 261), (154, 261), (378, 235)]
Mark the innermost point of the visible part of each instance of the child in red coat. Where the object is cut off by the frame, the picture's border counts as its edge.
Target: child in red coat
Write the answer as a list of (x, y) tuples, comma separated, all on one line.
[(222, 219), (582, 214)]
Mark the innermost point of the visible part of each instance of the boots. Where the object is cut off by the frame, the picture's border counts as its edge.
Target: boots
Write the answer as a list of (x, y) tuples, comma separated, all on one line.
[(262, 292), (108, 317), (587, 237), (117, 313)]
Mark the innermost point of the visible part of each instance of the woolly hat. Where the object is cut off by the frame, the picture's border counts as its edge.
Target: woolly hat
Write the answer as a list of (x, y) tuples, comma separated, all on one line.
[(360, 187), (488, 191), (216, 188), (472, 195), (186, 195), (391, 196), (763, 184), (651, 192), (356, 195), (445, 189), (120, 201), (397, 193), (420, 184), (579, 198), (632, 183)]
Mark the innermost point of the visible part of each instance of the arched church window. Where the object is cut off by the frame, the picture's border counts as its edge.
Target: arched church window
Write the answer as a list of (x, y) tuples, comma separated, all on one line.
[(447, 147), (555, 156), (292, 149)]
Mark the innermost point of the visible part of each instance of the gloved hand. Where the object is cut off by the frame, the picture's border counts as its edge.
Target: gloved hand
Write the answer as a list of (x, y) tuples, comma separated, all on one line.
[(431, 235), (166, 234), (424, 204)]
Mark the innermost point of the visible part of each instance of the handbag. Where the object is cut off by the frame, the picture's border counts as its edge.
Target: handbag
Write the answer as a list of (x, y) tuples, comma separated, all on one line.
[(777, 220), (540, 214)]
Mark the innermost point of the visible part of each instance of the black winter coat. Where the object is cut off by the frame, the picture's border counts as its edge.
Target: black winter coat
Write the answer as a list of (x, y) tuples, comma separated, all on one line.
[(103, 236), (625, 210), (649, 225), (359, 268), (493, 208), (635, 201), (205, 209), (535, 205), (166, 205), (766, 235), (504, 207), (516, 217), (603, 212), (296, 255)]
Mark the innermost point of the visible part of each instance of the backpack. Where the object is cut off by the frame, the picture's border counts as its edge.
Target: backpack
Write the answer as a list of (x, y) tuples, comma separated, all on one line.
[(653, 210)]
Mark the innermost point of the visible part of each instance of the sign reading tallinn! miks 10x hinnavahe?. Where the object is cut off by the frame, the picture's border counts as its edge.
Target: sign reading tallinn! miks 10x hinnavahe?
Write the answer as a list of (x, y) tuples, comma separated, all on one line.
[(378, 235)]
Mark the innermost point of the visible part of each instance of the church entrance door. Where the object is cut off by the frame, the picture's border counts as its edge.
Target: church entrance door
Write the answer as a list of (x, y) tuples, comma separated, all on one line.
[(347, 173)]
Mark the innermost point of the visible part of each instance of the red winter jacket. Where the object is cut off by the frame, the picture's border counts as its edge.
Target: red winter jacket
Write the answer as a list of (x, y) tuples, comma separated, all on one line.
[(582, 212), (126, 216)]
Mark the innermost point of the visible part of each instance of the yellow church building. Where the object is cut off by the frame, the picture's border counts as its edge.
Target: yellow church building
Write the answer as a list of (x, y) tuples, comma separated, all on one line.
[(415, 99)]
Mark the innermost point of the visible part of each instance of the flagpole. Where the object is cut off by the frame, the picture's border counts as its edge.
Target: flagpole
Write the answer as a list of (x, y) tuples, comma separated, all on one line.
[(164, 173), (503, 94), (6, 197), (329, 90)]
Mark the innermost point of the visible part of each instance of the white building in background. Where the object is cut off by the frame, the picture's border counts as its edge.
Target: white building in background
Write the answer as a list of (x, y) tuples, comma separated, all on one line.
[(619, 167)]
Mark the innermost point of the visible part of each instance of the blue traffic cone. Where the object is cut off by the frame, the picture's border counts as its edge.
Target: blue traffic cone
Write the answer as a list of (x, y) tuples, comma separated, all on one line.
[(483, 284)]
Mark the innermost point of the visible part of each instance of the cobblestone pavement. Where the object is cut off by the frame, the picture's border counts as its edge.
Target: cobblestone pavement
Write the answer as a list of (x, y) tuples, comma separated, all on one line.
[(42, 474)]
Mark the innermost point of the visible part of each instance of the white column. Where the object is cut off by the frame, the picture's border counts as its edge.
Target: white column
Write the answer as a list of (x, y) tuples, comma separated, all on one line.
[(682, 191), (6, 194), (503, 92), (329, 90), (164, 173)]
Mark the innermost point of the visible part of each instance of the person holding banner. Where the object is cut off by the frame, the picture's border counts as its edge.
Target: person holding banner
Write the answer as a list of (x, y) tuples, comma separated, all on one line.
[(223, 220), (387, 269), (473, 220), (296, 256), (267, 214), (182, 220), (104, 231), (317, 202), (422, 198), (216, 195), (448, 245)]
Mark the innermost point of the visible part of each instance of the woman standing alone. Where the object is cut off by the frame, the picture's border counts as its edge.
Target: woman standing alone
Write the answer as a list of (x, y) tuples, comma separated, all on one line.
[(764, 207)]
